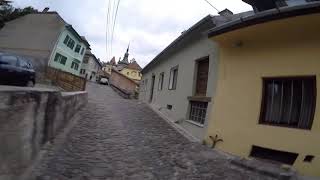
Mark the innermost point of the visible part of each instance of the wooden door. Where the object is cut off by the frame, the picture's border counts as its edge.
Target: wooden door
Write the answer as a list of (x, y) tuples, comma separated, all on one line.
[(202, 77)]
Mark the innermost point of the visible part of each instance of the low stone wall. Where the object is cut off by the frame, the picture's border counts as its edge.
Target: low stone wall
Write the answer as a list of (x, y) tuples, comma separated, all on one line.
[(30, 117), (123, 85)]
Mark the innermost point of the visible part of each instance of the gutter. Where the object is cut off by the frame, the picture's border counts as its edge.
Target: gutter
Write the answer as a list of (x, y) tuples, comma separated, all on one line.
[(266, 16)]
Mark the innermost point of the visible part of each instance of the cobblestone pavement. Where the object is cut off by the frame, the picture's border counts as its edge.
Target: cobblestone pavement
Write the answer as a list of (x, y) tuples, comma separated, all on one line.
[(114, 138)]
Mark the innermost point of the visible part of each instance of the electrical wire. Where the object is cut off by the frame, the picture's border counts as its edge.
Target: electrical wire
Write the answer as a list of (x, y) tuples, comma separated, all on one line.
[(212, 5), (114, 23)]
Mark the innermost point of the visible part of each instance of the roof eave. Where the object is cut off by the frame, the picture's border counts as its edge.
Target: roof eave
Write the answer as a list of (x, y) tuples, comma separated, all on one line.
[(186, 33), (75, 33), (266, 16)]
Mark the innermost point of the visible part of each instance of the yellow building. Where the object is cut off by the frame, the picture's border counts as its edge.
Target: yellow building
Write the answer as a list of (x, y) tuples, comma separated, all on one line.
[(107, 67), (266, 102), (132, 71)]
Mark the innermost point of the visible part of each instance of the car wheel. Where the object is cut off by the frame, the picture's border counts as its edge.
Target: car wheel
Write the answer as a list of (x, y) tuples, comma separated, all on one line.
[(30, 84)]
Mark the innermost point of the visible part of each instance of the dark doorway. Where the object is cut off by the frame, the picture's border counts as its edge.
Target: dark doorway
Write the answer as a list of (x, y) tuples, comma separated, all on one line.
[(152, 87)]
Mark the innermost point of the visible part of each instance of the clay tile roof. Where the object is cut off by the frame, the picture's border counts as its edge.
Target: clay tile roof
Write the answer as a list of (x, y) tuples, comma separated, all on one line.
[(134, 65)]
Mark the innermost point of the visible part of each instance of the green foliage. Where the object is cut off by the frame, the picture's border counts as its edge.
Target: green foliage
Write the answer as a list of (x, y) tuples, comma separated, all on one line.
[(9, 13)]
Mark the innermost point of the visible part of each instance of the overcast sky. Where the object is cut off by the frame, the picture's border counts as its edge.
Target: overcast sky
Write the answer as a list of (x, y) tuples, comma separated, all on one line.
[(149, 25)]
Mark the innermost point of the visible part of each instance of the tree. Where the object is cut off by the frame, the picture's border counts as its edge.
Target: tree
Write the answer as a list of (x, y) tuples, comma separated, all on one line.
[(9, 13), (4, 2)]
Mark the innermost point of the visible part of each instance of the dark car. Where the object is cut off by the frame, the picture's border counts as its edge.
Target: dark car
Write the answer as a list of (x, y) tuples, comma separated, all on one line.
[(16, 70)]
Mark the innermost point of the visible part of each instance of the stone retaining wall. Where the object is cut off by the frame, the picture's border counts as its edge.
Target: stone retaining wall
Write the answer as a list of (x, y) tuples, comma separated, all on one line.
[(30, 117)]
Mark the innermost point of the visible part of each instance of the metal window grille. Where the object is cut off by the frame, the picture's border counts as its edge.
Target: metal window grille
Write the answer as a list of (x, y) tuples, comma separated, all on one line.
[(198, 111)]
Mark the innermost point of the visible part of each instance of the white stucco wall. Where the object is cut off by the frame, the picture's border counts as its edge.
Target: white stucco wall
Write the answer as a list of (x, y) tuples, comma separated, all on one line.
[(91, 66), (186, 59)]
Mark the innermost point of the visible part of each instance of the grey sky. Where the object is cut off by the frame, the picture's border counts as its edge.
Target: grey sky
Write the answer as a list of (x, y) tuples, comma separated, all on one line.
[(150, 25)]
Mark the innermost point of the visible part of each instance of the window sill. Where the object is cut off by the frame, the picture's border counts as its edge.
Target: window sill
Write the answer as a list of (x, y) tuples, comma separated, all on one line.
[(284, 126), (199, 98), (195, 123)]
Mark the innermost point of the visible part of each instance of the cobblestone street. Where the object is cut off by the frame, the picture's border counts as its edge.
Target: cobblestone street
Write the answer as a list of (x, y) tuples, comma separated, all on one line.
[(114, 138)]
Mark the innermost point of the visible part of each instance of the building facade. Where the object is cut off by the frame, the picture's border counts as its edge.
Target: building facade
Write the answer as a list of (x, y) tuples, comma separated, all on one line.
[(69, 51), (266, 102), (132, 71), (180, 81), (40, 37), (91, 67)]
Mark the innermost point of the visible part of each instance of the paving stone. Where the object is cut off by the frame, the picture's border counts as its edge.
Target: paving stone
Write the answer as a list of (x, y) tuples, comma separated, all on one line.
[(115, 138)]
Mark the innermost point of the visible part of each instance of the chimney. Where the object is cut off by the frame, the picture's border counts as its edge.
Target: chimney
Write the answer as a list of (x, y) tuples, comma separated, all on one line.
[(45, 10), (226, 13)]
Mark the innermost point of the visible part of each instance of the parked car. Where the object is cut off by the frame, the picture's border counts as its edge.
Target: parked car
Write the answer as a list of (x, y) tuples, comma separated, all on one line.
[(104, 81), (16, 70)]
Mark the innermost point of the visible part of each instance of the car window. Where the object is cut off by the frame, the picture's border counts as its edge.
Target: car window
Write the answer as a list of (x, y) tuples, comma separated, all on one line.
[(9, 60), (24, 64)]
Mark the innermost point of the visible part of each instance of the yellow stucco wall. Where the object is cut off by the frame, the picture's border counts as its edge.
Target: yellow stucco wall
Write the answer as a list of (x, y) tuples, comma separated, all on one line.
[(131, 73), (287, 47)]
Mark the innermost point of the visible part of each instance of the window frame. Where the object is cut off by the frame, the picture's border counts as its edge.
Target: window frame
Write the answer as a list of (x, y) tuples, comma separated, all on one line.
[(82, 51), (264, 99), (59, 58), (175, 80), (66, 40), (160, 83), (78, 48), (196, 73), (75, 65), (197, 114)]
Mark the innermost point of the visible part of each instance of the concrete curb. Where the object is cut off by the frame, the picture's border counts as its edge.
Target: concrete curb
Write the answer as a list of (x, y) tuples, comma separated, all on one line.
[(265, 168)]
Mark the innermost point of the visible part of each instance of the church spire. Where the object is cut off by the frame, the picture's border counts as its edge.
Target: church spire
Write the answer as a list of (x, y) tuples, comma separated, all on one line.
[(125, 59)]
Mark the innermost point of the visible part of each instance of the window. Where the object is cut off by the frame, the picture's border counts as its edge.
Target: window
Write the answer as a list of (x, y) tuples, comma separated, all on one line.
[(146, 84), (133, 73), (281, 3), (82, 71), (78, 47), (86, 60), (173, 78), (8, 60), (74, 65), (160, 83), (69, 42), (289, 102), (198, 111), (202, 77), (82, 51), (60, 59), (128, 73), (66, 40), (24, 64)]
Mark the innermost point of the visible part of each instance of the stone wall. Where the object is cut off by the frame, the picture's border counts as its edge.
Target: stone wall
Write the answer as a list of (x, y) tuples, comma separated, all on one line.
[(123, 84), (30, 117)]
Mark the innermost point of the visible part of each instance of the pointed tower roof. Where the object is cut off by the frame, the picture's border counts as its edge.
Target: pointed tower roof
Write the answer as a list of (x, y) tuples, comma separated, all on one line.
[(113, 61), (125, 59)]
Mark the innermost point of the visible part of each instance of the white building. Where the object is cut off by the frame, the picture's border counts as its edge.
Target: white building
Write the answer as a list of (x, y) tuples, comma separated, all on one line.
[(180, 82), (91, 66)]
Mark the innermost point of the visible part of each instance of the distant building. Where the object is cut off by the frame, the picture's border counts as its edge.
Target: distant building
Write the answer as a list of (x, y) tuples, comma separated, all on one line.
[(131, 69), (46, 40), (107, 67), (91, 66)]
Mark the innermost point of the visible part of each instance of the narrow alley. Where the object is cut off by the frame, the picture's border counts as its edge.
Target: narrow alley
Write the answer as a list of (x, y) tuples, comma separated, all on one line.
[(114, 138)]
